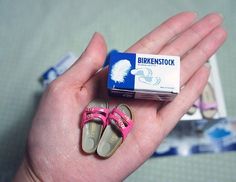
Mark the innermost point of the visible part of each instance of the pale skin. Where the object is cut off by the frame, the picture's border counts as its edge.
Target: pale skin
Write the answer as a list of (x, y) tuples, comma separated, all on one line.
[(54, 151)]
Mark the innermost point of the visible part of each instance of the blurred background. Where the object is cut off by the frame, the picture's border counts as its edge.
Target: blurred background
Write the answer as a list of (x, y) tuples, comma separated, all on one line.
[(34, 35)]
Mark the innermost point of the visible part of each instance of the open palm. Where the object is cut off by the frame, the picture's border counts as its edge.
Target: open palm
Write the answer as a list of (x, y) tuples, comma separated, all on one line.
[(54, 151)]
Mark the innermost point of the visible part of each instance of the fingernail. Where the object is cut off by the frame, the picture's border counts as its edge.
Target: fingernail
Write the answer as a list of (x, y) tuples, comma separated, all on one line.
[(94, 34), (215, 18), (207, 65), (221, 15), (195, 13)]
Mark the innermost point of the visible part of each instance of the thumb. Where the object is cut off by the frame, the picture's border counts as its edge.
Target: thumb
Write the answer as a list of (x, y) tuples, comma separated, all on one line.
[(89, 62)]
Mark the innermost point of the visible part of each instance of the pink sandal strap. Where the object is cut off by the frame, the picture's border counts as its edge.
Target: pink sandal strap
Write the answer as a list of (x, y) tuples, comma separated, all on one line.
[(197, 103), (122, 121), (206, 106), (91, 113)]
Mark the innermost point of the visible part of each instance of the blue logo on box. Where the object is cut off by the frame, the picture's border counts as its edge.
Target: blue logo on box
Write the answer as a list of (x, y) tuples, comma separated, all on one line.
[(119, 76)]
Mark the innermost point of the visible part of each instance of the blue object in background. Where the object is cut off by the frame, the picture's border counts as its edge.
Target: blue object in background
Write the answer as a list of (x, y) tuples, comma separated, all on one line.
[(218, 133), (171, 151)]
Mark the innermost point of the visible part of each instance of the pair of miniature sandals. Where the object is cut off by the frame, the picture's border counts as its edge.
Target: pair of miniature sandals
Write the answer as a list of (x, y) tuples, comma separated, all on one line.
[(206, 103), (104, 130)]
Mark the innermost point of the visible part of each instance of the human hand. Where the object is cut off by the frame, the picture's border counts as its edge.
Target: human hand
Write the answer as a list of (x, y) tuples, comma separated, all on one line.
[(54, 152)]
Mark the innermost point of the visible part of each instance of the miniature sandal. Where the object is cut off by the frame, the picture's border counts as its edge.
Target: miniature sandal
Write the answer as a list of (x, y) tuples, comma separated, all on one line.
[(94, 120), (208, 104), (150, 80), (192, 110), (119, 126), (145, 76), (144, 72)]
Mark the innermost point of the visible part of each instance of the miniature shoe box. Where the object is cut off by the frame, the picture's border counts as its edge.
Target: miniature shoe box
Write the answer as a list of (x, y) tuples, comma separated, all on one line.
[(215, 82), (144, 76)]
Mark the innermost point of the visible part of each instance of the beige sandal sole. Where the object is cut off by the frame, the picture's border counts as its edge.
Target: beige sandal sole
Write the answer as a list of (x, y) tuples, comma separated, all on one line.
[(112, 138), (92, 130)]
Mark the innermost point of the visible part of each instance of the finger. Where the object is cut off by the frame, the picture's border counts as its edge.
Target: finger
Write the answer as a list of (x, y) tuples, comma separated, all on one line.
[(201, 53), (89, 62), (173, 111), (155, 40), (188, 39)]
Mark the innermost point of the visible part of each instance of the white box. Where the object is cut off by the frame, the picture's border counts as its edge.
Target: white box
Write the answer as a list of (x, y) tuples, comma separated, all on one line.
[(215, 82), (144, 76)]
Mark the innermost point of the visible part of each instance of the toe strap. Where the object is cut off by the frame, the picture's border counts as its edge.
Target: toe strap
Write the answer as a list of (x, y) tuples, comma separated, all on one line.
[(121, 120), (89, 114)]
